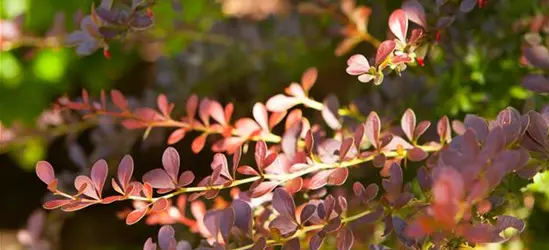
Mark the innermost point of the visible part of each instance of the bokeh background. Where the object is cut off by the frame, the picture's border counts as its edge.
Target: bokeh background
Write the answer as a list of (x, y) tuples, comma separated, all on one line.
[(239, 51)]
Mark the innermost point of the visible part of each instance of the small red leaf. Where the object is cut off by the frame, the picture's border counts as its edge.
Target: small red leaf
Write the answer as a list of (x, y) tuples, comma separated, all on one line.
[(247, 170), (147, 190), (276, 118), (159, 205), (263, 188), (125, 171), (372, 129), (338, 176), (111, 199), (344, 148), (99, 175), (119, 99), (294, 185), (308, 78), (163, 105), (176, 136), (53, 204), (192, 104), (136, 215), (198, 143), (45, 172), (384, 50), (416, 154), (170, 161)]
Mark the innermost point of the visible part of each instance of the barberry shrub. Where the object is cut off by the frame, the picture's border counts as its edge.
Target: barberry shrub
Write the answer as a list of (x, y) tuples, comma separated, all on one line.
[(443, 184)]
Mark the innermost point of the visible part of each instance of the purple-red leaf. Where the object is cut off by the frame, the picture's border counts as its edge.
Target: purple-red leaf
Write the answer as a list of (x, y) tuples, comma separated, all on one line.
[(185, 179), (158, 178), (345, 239), (99, 175), (344, 148), (136, 215), (408, 124), (308, 78), (176, 136), (415, 12), (373, 129), (263, 188), (338, 176), (283, 203), (125, 171), (45, 172), (306, 213), (384, 50)]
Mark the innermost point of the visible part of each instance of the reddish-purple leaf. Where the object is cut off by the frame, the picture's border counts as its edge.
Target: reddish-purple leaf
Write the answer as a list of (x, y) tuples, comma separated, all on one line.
[(478, 125), (191, 105), (333, 225), (308, 78), (111, 199), (443, 129), (372, 129), (216, 111), (316, 241), (53, 204), (421, 128), (379, 160), (415, 12), (76, 205), (260, 244), (280, 103), (263, 188), (358, 135), (261, 116), (198, 143), (424, 179), (147, 190), (89, 190), (158, 178), (292, 244), (119, 100), (185, 179), (260, 153), (338, 176), (294, 185), (344, 148), (243, 216), (176, 136), (163, 105), (45, 172), (306, 213), (416, 154), (384, 50), (136, 215), (536, 83), (247, 170), (283, 203), (220, 161), (345, 239), (268, 161), (204, 111), (408, 124), (99, 175), (320, 179), (125, 171), (159, 205)]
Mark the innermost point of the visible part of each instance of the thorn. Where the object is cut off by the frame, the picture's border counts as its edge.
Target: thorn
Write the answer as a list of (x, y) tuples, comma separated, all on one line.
[(149, 13), (437, 36)]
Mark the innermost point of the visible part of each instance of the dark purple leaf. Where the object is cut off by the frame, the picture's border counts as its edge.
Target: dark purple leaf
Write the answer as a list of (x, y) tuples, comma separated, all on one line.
[(467, 5), (478, 125), (538, 56), (170, 161), (344, 148), (226, 222), (316, 241), (283, 203), (536, 83), (332, 225), (358, 135), (125, 171), (309, 142), (424, 179), (345, 239), (421, 128), (220, 161), (292, 244), (149, 245), (306, 213), (285, 226), (166, 237), (416, 154), (445, 21), (243, 216), (141, 22), (247, 170), (373, 129), (260, 244)]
